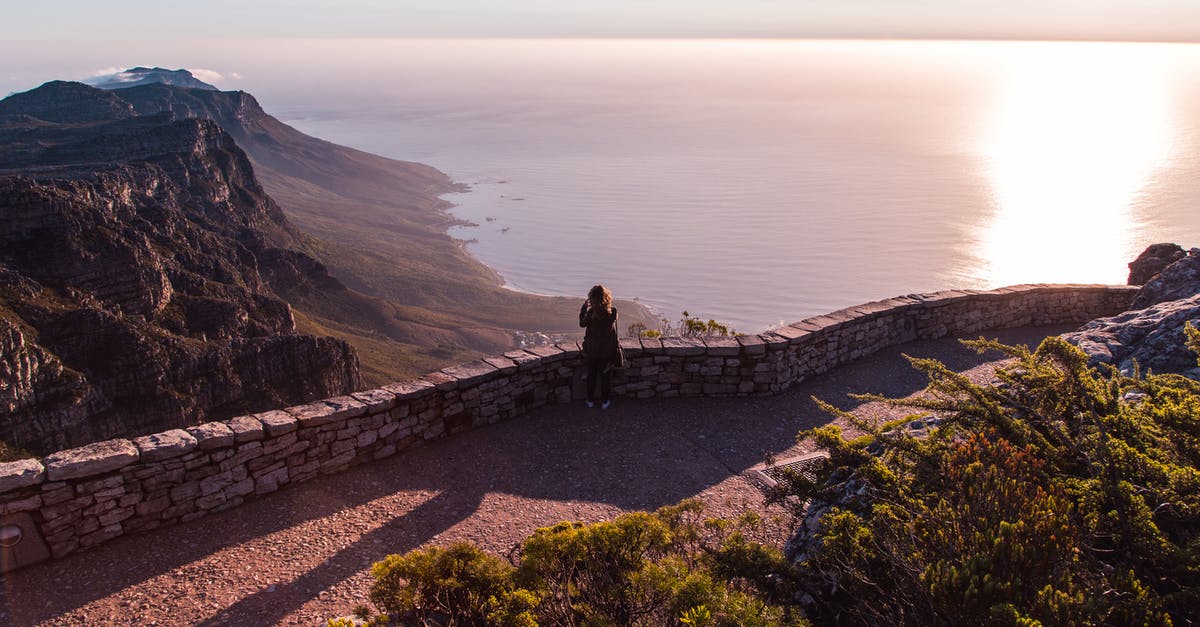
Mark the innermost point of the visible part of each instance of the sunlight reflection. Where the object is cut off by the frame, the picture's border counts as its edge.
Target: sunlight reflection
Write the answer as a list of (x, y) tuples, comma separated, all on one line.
[(1077, 132)]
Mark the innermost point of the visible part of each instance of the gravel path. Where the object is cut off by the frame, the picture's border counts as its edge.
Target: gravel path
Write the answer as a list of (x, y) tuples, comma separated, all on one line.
[(302, 555)]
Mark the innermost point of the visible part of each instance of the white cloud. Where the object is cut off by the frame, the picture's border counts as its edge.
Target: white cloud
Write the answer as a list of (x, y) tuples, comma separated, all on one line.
[(108, 71), (208, 76)]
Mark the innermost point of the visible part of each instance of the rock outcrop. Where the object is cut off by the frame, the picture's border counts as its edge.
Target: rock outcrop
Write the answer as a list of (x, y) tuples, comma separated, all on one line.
[(1179, 280), (1152, 338), (1151, 334), (135, 256), (1153, 260)]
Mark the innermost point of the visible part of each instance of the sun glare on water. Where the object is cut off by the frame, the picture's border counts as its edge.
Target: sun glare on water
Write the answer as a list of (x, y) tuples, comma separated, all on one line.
[(1077, 132)]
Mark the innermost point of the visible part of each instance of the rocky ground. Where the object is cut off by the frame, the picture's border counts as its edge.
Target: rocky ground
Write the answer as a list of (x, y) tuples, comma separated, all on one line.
[(302, 555)]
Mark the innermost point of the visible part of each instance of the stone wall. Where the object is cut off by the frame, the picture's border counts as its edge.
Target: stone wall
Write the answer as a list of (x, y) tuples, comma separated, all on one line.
[(74, 499)]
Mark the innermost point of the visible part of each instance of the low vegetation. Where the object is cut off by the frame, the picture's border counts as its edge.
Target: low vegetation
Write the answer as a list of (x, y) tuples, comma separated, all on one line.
[(687, 326), (671, 567), (1058, 495)]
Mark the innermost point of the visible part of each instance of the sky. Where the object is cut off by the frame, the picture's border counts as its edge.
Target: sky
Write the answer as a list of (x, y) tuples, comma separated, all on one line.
[(1129, 20)]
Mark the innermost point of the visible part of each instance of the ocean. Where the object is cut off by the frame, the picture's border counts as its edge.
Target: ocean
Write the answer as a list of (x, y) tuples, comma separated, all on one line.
[(758, 182)]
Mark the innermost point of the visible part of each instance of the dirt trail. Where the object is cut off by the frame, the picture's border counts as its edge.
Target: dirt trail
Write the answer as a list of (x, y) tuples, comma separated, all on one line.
[(302, 555)]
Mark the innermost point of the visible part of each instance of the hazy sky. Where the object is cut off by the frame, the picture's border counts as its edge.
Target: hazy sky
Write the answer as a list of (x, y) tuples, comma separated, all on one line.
[(1139, 20)]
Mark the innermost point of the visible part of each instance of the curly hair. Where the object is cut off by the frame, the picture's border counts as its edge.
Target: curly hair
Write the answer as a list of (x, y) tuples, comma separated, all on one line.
[(600, 296)]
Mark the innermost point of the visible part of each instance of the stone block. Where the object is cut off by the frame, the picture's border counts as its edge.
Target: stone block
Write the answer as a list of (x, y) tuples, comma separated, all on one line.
[(185, 492), (215, 483), (683, 346), (277, 422), (471, 373), (503, 364), (26, 504), (213, 435), (153, 506), (275, 445), (89, 460), (165, 445), (327, 411), (244, 487), (752, 345), (271, 481), (547, 352), (21, 474), (116, 516), (523, 360), (793, 333), (376, 400), (723, 347), (246, 429), (408, 390)]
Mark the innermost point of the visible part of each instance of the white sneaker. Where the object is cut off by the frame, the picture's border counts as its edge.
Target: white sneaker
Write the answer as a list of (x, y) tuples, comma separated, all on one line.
[(606, 405), (591, 404)]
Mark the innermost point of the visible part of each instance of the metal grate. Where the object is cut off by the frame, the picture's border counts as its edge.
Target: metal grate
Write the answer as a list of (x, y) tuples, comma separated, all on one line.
[(805, 465)]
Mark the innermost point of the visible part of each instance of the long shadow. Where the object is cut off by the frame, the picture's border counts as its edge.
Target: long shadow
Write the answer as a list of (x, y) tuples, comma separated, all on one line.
[(639, 455)]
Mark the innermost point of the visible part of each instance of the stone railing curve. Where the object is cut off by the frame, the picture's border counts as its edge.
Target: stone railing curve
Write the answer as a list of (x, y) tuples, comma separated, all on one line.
[(74, 499)]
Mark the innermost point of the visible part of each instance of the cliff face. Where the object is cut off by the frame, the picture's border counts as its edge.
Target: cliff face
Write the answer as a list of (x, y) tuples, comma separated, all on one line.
[(135, 262)]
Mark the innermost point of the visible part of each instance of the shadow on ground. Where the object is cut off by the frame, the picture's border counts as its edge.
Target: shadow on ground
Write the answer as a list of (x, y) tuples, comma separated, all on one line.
[(637, 455)]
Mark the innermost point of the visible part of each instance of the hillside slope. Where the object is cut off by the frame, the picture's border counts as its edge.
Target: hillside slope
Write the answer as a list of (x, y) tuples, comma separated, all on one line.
[(380, 227)]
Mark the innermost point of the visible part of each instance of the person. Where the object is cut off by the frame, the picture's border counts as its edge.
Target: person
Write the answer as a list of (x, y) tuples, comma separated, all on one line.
[(601, 348)]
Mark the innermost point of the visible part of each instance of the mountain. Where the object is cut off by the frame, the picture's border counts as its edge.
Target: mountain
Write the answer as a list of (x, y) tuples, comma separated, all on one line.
[(148, 76), (379, 225), (139, 259), (149, 278)]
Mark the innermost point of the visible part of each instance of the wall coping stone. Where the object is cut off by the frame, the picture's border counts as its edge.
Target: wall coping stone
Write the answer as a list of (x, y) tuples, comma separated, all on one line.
[(523, 359), (871, 308), (378, 400), (569, 347), (211, 435), (327, 410), (686, 346), (824, 322), (723, 346), (791, 333), (546, 352), (91, 459), (408, 390), (442, 381), (752, 344), (276, 422), (245, 428), (159, 446), (503, 364), (21, 474), (471, 370)]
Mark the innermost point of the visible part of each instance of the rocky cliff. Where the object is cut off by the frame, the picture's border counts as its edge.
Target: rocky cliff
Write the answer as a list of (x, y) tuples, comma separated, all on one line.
[(136, 260), (1150, 335)]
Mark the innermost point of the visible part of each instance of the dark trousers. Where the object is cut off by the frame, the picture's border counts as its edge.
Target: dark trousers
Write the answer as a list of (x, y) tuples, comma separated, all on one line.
[(598, 372)]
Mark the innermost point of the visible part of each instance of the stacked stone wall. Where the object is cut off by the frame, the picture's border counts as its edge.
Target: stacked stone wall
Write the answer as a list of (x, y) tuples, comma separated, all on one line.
[(74, 499)]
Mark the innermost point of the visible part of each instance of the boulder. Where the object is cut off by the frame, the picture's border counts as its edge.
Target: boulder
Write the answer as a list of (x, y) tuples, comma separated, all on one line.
[(1153, 337), (1179, 280), (1153, 260)]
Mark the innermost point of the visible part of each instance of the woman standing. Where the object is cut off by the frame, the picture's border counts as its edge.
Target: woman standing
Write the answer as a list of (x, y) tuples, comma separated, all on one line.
[(601, 349)]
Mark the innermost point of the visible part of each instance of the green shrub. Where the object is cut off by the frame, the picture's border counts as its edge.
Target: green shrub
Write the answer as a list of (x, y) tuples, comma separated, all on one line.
[(672, 567), (1060, 495)]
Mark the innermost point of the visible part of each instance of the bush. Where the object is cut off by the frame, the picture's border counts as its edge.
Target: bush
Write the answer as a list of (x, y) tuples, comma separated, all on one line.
[(1059, 495), (688, 326), (672, 567)]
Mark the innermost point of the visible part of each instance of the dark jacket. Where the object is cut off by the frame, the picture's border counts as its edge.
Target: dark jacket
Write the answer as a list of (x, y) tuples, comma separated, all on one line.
[(600, 343)]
